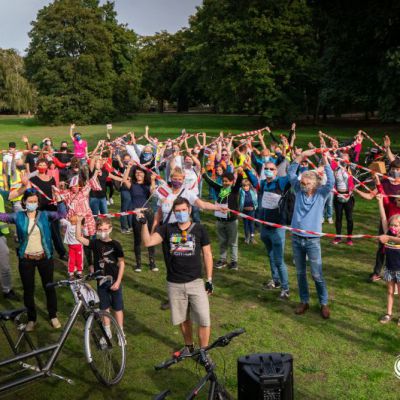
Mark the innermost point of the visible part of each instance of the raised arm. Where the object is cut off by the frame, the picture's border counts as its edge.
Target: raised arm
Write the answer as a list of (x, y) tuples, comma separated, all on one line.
[(148, 239), (79, 237)]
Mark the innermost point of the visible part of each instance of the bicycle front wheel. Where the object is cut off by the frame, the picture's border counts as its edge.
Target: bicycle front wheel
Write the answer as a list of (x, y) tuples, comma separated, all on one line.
[(105, 347)]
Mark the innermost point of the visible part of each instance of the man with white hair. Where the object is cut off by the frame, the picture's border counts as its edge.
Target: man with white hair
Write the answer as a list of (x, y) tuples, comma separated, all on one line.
[(311, 196)]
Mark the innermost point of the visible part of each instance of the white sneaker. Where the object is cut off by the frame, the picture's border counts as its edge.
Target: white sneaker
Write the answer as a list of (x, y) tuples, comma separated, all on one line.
[(30, 326), (111, 201), (330, 220), (122, 341), (108, 202), (55, 323), (284, 294)]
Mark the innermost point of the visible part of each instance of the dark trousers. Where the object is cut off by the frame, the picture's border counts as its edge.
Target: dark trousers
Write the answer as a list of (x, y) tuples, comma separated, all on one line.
[(348, 210), (110, 186), (248, 224), (137, 239), (27, 270), (56, 238)]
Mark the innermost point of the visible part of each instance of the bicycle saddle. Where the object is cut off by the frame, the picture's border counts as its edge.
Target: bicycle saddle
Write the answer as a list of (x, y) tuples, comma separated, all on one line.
[(11, 314)]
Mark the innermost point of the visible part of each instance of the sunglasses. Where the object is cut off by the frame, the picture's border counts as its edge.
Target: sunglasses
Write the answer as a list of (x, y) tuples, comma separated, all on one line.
[(270, 169), (31, 191)]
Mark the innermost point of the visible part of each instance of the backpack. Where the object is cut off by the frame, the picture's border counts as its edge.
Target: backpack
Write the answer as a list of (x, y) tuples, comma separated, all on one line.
[(286, 205)]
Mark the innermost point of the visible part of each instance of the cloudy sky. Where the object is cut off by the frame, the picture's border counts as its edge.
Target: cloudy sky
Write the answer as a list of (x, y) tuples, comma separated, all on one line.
[(144, 16)]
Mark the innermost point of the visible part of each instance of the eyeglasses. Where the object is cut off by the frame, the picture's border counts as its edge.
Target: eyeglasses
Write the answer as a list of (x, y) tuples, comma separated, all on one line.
[(224, 155)]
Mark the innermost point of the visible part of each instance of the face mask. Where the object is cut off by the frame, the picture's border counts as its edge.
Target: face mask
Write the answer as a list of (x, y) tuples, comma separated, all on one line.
[(176, 184), (147, 156), (63, 148), (394, 230), (182, 216), (42, 170), (78, 137), (20, 167), (31, 206), (103, 235), (268, 173), (394, 174), (47, 143), (303, 188), (195, 151), (188, 165)]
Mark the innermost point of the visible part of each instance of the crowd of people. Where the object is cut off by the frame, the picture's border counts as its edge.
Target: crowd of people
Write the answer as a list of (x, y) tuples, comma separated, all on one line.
[(258, 180)]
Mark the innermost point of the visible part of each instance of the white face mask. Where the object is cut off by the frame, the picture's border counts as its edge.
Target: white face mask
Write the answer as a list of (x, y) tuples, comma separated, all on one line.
[(104, 235)]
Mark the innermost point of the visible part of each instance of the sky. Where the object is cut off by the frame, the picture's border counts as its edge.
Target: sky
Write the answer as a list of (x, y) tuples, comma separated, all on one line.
[(145, 17)]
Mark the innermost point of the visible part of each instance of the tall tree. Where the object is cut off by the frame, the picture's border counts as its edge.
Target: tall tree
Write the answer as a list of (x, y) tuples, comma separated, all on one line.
[(16, 93), (75, 48)]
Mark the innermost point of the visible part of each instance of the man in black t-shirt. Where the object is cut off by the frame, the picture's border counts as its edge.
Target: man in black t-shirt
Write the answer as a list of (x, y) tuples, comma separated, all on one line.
[(187, 243)]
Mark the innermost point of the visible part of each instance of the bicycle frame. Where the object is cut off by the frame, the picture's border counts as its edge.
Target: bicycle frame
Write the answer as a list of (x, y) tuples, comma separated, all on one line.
[(54, 348)]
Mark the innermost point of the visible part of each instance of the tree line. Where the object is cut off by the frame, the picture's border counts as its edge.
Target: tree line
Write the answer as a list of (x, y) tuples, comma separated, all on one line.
[(276, 58)]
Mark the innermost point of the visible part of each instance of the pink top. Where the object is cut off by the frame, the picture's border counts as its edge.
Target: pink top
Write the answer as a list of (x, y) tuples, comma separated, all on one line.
[(80, 147)]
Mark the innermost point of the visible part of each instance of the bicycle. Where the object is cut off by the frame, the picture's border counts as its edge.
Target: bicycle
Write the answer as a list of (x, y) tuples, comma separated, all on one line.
[(104, 348), (216, 390)]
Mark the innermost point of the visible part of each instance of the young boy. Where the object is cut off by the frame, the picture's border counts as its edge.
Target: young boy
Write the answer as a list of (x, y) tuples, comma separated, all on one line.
[(109, 258)]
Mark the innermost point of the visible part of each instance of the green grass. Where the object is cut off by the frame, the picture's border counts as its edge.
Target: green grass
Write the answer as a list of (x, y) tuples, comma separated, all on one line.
[(350, 356)]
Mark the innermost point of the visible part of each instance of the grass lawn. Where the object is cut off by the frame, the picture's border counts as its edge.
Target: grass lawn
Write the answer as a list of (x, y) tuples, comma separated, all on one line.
[(350, 356)]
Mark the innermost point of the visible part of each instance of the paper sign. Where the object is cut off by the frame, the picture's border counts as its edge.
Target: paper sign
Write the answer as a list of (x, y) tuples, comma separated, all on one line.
[(220, 214), (163, 191), (270, 200), (109, 126)]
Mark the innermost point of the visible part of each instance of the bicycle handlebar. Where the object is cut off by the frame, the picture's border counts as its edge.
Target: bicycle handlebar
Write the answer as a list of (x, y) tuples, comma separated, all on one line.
[(91, 276), (222, 341)]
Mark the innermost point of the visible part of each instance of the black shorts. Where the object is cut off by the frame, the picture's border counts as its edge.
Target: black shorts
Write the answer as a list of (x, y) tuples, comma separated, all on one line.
[(110, 298)]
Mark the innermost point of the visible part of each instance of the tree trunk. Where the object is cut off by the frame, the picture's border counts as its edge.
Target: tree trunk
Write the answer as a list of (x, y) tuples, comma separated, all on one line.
[(183, 103), (161, 106)]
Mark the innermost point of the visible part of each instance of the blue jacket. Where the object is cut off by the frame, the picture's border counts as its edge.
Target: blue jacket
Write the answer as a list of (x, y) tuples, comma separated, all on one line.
[(308, 210), (21, 221), (242, 195)]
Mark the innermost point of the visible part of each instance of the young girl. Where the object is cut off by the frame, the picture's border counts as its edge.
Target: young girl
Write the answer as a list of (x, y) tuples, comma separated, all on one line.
[(248, 205), (75, 248), (391, 241)]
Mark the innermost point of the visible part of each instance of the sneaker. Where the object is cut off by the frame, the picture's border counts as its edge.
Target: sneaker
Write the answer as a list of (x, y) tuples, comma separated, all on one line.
[(125, 231), (138, 268), (322, 221), (271, 285), (78, 275), (130, 230), (233, 265), (253, 240), (284, 294), (330, 221), (30, 326), (220, 264), (71, 276), (375, 278), (11, 295), (385, 319), (55, 323), (247, 240), (336, 241), (153, 268), (349, 242), (122, 341), (111, 200), (108, 202)]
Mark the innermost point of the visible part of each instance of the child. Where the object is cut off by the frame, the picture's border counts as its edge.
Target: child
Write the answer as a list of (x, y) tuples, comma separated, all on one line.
[(248, 205), (391, 241), (75, 248), (109, 259)]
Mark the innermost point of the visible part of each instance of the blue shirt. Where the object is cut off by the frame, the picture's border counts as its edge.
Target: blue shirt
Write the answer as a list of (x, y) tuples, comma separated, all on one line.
[(308, 210)]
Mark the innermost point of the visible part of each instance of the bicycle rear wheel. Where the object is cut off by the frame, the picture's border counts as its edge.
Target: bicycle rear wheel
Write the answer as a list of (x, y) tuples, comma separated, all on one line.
[(105, 352)]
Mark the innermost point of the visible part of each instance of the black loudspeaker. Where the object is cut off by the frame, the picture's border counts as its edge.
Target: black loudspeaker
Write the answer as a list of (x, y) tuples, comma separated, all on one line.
[(265, 377)]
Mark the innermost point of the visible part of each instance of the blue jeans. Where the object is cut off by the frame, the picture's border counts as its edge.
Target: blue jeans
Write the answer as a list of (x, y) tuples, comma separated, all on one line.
[(196, 214), (328, 210), (311, 247), (249, 225), (126, 220), (98, 205), (274, 240)]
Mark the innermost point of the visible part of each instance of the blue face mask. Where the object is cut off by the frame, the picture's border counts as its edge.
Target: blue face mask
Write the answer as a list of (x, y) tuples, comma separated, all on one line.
[(78, 137), (31, 206), (182, 216), (147, 156), (268, 173)]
